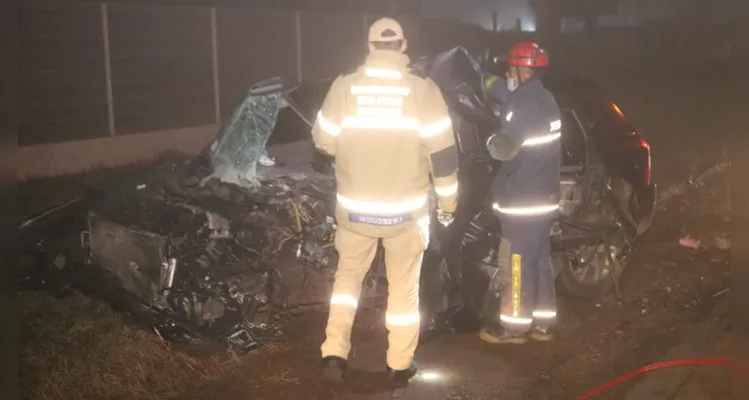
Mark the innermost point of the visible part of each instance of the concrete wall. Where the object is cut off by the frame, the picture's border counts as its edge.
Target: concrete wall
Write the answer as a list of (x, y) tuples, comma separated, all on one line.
[(53, 159)]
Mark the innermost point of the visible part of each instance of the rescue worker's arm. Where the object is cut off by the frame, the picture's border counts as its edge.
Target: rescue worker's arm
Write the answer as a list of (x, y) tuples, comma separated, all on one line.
[(505, 144), (328, 122), (496, 87), (438, 142)]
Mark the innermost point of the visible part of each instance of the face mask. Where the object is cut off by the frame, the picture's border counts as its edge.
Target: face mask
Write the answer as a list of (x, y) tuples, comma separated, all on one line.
[(512, 84)]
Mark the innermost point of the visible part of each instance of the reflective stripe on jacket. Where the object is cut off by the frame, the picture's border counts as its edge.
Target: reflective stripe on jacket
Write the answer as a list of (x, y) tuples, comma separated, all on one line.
[(389, 131), (528, 182)]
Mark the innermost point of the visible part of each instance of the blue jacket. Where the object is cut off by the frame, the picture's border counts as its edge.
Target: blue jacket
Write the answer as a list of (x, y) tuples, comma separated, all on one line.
[(529, 145)]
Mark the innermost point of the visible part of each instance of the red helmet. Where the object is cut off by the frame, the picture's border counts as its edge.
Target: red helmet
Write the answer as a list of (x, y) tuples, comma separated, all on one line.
[(528, 54)]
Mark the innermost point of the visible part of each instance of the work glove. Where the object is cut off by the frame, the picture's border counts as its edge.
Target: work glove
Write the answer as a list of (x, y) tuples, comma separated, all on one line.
[(502, 148), (445, 218)]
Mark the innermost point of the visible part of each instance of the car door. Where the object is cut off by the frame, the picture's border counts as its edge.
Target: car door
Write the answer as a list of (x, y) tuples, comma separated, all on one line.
[(574, 154), (574, 160)]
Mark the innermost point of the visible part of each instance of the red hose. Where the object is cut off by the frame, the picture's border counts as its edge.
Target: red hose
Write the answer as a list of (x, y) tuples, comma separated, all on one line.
[(651, 367)]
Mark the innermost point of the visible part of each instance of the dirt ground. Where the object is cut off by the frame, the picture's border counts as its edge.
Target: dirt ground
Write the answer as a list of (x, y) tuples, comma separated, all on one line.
[(78, 347)]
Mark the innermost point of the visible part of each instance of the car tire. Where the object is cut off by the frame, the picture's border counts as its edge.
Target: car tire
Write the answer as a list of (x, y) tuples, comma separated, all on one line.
[(576, 279)]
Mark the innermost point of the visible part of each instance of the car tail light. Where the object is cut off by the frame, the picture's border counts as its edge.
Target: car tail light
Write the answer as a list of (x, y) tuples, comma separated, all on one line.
[(648, 169)]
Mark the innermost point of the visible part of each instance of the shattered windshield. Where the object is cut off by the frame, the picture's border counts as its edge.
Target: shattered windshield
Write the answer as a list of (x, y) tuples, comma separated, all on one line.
[(241, 141)]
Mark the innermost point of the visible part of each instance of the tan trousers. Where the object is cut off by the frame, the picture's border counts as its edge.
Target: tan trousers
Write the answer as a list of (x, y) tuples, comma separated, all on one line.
[(403, 255)]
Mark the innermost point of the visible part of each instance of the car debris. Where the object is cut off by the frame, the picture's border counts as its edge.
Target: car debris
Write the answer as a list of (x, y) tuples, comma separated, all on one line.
[(723, 242), (690, 242), (223, 246)]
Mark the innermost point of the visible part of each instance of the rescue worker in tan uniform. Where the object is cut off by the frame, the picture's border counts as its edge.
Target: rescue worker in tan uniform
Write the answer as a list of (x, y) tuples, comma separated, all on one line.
[(388, 131)]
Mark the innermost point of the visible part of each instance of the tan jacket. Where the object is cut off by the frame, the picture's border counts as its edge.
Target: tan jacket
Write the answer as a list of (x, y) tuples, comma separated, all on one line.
[(389, 131)]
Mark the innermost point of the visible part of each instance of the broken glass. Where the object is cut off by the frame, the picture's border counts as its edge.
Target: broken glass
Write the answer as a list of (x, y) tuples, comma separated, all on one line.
[(241, 140)]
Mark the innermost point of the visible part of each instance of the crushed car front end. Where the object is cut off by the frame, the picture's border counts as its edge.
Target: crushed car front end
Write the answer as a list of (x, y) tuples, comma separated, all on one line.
[(193, 247)]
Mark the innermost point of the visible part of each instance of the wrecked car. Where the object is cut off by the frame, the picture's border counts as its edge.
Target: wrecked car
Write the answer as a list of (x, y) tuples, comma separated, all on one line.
[(222, 246), (607, 197)]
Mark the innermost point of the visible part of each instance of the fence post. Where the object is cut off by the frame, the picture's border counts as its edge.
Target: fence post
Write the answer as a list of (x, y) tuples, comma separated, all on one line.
[(216, 83), (299, 70), (107, 67)]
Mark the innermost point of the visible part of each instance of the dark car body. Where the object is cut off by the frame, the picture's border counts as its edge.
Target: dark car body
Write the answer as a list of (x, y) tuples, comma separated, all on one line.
[(197, 248)]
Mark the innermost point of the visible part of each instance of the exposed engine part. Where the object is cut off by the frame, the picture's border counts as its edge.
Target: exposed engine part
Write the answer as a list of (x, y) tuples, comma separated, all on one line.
[(316, 249), (167, 273)]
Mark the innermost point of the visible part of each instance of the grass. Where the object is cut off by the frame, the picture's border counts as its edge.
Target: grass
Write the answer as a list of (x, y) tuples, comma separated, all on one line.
[(80, 348)]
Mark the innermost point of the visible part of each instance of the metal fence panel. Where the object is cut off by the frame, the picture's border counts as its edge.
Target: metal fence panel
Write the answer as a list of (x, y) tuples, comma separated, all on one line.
[(332, 43), (253, 45), (162, 67), (61, 91)]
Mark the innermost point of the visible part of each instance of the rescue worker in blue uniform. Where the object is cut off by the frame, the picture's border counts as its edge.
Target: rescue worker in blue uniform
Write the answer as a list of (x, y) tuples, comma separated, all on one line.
[(521, 300)]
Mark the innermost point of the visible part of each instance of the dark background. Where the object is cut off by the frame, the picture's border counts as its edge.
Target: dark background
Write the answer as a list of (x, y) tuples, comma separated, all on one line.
[(162, 67)]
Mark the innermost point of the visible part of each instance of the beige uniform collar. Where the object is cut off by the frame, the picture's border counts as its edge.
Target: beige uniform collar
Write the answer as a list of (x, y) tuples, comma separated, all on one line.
[(387, 58)]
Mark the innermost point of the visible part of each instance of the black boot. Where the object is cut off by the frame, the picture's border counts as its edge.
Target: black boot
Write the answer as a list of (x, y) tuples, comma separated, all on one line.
[(399, 377), (333, 369), (499, 335), (541, 334)]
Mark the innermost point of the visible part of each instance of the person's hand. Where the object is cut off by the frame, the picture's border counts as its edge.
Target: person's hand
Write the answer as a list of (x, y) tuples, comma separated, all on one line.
[(445, 218)]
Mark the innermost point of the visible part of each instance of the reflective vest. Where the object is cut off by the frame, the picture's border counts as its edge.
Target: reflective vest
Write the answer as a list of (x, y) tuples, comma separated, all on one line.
[(389, 131)]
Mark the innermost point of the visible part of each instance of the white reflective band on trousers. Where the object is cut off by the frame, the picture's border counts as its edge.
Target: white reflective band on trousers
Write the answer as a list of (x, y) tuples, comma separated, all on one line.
[(403, 253), (531, 210), (394, 320), (515, 320), (543, 314), (345, 300), (327, 126), (382, 208), (382, 73)]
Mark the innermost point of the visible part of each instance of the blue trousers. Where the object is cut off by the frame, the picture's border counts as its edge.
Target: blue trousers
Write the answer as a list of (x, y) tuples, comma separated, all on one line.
[(524, 283)]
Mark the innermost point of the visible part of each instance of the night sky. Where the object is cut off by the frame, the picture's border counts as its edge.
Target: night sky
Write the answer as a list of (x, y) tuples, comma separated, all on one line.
[(631, 12)]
